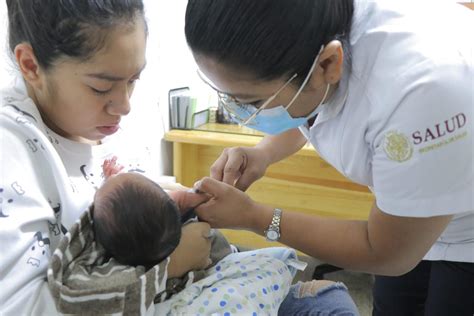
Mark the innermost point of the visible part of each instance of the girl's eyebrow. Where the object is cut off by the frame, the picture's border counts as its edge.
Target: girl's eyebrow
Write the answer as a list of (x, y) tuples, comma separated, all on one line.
[(105, 76), (110, 77)]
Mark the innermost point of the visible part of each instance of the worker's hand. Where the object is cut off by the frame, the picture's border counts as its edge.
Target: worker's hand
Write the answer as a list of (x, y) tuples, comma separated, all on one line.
[(228, 207), (240, 166), (193, 251)]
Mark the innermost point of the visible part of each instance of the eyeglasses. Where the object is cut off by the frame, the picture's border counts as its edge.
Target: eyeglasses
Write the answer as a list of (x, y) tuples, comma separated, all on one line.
[(234, 107)]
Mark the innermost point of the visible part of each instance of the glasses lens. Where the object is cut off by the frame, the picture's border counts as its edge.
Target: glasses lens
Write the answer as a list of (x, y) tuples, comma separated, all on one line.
[(239, 112)]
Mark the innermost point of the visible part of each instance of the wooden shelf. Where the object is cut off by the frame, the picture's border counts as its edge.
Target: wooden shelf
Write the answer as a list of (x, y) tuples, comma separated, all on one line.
[(470, 5), (213, 134)]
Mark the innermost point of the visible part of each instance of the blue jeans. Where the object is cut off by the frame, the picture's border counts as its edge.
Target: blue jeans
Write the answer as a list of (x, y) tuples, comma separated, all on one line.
[(333, 300)]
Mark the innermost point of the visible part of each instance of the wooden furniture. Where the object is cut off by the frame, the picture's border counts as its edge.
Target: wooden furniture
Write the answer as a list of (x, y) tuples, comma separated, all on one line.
[(470, 5), (301, 183)]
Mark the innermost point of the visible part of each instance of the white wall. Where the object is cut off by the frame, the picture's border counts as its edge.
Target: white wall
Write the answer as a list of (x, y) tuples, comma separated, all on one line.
[(162, 72), (169, 65), (5, 64)]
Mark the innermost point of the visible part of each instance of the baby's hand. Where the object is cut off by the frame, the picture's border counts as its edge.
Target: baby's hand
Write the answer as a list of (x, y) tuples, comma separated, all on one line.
[(111, 167)]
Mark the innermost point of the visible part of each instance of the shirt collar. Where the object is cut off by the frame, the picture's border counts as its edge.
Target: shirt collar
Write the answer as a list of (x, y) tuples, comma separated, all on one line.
[(335, 104)]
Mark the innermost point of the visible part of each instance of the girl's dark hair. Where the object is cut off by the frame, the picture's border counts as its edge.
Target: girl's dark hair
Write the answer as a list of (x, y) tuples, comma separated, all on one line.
[(136, 224), (74, 28), (267, 38)]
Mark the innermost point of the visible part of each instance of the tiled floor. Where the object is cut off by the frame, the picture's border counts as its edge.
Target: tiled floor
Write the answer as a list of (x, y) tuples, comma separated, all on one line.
[(359, 284)]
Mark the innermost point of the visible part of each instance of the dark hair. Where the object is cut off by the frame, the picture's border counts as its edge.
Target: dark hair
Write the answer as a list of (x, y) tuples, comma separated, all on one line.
[(267, 38), (136, 224), (74, 28)]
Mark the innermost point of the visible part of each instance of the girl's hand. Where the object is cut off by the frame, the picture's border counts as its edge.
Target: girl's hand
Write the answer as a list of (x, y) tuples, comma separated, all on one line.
[(193, 251)]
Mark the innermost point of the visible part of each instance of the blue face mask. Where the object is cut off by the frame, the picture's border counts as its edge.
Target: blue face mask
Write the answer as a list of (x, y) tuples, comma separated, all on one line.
[(277, 119)]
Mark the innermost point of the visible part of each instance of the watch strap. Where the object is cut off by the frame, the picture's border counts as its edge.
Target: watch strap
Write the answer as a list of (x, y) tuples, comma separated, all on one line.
[(276, 219), (275, 223)]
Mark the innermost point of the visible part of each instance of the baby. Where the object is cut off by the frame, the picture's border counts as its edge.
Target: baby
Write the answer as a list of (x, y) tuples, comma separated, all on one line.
[(135, 220), (139, 224)]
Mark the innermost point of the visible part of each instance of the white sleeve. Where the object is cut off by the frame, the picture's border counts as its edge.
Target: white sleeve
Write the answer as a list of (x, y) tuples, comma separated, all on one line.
[(423, 156), (27, 222)]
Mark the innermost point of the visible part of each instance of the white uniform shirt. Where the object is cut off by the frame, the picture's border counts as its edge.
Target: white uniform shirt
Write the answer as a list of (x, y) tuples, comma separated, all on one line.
[(401, 121), (46, 182)]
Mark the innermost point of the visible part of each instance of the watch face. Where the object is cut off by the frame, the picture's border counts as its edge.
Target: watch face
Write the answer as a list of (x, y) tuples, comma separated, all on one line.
[(272, 235)]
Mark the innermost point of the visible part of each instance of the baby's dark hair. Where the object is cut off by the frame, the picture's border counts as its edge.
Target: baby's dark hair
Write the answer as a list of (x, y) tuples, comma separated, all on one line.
[(72, 28), (136, 224)]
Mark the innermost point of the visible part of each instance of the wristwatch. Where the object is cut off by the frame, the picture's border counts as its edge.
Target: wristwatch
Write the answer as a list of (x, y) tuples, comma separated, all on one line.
[(273, 231)]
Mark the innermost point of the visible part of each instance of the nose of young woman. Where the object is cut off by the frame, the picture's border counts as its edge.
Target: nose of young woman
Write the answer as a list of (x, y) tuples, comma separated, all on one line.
[(119, 104)]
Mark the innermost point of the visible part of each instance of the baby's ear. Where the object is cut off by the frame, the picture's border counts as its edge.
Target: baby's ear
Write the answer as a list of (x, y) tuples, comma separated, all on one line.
[(186, 199), (179, 197)]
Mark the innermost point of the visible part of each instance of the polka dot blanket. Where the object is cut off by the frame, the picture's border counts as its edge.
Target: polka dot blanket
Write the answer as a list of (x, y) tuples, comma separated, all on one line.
[(243, 283)]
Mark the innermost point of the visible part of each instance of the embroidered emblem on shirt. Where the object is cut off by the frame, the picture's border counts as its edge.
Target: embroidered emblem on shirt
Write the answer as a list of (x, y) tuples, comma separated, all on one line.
[(397, 146)]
